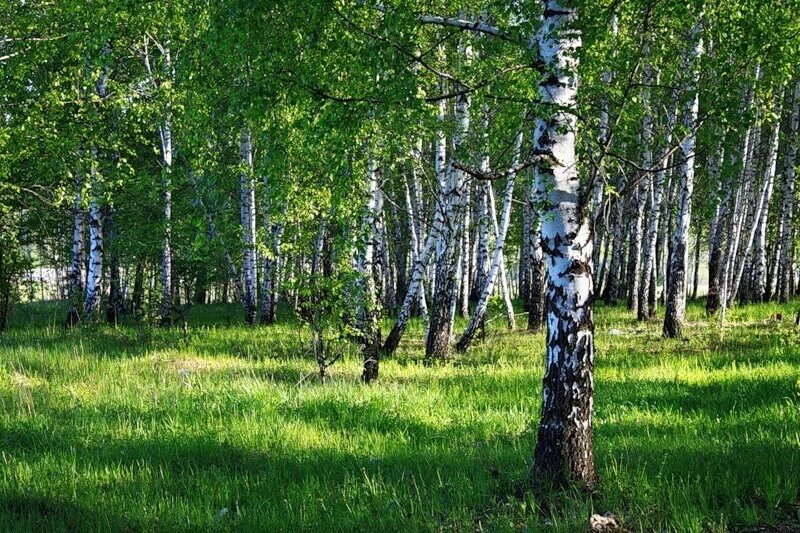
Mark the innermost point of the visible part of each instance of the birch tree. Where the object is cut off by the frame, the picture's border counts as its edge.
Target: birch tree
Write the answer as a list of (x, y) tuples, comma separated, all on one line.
[(676, 285)]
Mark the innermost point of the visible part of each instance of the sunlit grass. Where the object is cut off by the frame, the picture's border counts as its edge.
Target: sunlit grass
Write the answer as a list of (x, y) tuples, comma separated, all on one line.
[(131, 428)]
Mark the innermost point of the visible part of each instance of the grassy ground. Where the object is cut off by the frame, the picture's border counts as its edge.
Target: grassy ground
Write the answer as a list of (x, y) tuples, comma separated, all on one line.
[(133, 429)]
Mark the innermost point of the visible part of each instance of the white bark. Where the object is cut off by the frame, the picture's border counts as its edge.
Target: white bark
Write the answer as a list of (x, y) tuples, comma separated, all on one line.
[(94, 276), (564, 445), (676, 286), (644, 307), (368, 311), (497, 266), (248, 220), (437, 344), (786, 232), (760, 255)]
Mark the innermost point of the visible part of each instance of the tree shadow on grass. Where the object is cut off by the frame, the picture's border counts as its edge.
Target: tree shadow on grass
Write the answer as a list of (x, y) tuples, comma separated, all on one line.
[(27, 512), (379, 488)]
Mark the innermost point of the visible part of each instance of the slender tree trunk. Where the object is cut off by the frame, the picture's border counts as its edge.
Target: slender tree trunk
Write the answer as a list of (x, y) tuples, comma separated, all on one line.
[(369, 312), (696, 280), (642, 190), (759, 205), (165, 133), (526, 246), (269, 281), (479, 314), (76, 269), (505, 291), (647, 308), (615, 268), (248, 219), (676, 285), (564, 451), (94, 277), (437, 344), (114, 306), (786, 234), (138, 288), (760, 252), (598, 174), (717, 236), (465, 256)]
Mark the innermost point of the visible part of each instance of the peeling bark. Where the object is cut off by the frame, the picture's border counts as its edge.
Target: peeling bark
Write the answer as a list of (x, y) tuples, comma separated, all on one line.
[(564, 452)]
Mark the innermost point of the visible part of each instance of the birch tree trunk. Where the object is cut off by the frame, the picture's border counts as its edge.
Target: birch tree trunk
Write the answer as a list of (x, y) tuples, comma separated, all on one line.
[(676, 284), (94, 276), (432, 242), (642, 190), (718, 235), (615, 268), (76, 269), (505, 290), (526, 246), (497, 266), (786, 233), (368, 312), (165, 133), (647, 308), (413, 230), (760, 252), (564, 452), (437, 344), (598, 177), (269, 282), (248, 220), (465, 278)]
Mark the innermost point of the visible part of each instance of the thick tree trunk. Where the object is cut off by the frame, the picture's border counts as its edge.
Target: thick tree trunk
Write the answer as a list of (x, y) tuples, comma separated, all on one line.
[(248, 220), (676, 283), (786, 234), (564, 452)]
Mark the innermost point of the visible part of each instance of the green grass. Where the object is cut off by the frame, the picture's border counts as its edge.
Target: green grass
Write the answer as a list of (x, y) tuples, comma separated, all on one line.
[(132, 429)]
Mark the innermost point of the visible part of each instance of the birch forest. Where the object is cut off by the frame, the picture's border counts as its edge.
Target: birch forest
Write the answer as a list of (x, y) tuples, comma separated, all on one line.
[(525, 265)]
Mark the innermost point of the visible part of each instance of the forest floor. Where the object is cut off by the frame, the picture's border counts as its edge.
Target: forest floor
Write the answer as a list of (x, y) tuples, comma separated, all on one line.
[(145, 429)]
